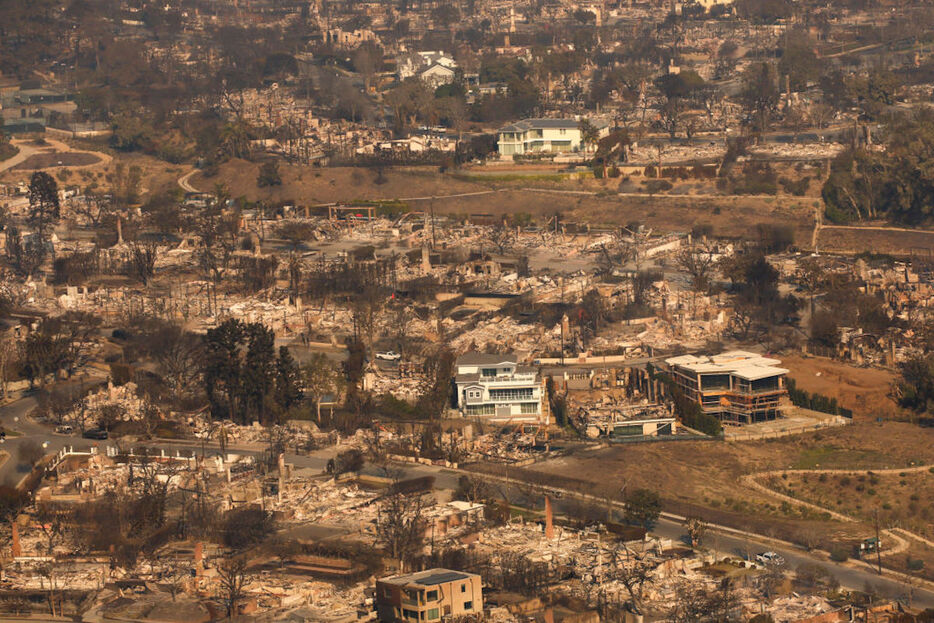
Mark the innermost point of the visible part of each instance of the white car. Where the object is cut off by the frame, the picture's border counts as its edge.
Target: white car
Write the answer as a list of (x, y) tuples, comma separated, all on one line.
[(389, 355), (770, 558)]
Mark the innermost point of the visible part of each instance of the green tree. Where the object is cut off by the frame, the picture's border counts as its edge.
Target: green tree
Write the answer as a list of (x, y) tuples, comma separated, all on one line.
[(897, 183), (44, 208), (799, 61), (320, 378), (759, 95), (269, 175), (915, 386), (678, 89), (223, 369), (874, 91), (589, 133), (642, 507), (288, 380), (259, 370)]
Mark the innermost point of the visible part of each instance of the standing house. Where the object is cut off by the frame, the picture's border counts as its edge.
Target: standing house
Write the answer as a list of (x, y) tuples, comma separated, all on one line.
[(497, 388), (436, 75), (735, 386), (428, 596), (542, 135)]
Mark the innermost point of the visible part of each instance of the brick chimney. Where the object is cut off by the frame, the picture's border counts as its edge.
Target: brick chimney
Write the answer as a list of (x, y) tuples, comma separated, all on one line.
[(17, 549), (549, 526)]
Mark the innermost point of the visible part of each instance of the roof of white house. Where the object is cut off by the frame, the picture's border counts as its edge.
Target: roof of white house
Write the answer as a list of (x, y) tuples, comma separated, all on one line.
[(483, 359), (437, 68), (551, 124), (541, 124), (745, 365)]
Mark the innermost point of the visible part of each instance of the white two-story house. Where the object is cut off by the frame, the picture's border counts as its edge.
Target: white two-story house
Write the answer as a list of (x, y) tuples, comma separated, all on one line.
[(543, 135), (498, 389)]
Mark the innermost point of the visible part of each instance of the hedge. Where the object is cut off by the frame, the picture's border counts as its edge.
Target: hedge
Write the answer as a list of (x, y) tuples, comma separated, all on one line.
[(815, 402)]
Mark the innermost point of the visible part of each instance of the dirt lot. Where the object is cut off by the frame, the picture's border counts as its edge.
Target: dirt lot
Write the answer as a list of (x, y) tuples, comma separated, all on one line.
[(58, 159), (310, 185), (903, 499), (864, 390), (703, 477), (893, 242)]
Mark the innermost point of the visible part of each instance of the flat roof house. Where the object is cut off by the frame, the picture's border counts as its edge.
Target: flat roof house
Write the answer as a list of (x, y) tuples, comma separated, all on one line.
[(540, 135), (428, 596), (498, 389), (735, 386)]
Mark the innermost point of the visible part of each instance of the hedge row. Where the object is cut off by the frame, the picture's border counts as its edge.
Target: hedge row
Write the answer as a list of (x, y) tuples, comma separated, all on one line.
[(815, 402)]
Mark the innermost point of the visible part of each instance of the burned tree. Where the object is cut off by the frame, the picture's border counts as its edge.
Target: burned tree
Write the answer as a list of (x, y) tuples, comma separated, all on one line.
[(232, 577), (400, 526), (142, 264)]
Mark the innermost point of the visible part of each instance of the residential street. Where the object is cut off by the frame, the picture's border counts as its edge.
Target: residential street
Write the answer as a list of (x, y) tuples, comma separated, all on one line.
[(12, 416)]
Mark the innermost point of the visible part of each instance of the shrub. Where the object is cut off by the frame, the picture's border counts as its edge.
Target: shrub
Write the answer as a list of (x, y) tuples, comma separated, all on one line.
[(655, 186), (246, 526), (839, 554), (797, 188), (269, 175)]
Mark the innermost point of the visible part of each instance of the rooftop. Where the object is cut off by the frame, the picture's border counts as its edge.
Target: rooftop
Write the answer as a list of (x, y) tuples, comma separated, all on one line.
[(429, 577), (740, 363), (541, 124), (483, 359)]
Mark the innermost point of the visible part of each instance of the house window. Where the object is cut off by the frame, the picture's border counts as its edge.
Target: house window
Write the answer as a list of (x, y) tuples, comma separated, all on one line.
[(434, 614), (468, 605), (488, 372), (529, 408), (387, 592), (409, 614), (511, 394), (480, 409), (562, 131), (463, 588), (431, 596)]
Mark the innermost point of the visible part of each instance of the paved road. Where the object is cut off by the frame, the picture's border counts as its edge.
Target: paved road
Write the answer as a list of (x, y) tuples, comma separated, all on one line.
[(13, 416)]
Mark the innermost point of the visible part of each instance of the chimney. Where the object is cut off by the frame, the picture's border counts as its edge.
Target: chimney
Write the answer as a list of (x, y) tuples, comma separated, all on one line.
[(199, 557), (119, 230), (549, 526), (281, 474), (426, 260), (17, 549)]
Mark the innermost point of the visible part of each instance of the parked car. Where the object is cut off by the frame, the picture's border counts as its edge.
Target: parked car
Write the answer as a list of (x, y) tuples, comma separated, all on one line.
[(389, 355), (64, 429), (770, 558), (95, 433)]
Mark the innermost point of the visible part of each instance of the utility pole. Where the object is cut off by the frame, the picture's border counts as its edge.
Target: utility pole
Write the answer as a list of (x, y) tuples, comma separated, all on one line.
[(432, 210), (878, 543)]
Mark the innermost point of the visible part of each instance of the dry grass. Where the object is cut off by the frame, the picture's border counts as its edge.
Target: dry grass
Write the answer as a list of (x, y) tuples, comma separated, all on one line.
[(904, 499), (864, 390), (309, 185), (899, 243), (58, 159), (704, 477)]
